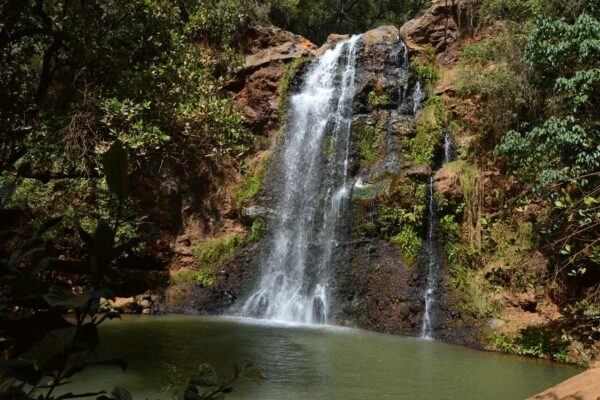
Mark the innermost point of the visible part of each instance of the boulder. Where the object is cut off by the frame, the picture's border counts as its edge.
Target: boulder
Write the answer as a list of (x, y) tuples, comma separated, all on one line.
[(125, 305), (249, 214), (446, 182), (419, 172), (439, 26), (585, 386), (269, 44), (332, 40)]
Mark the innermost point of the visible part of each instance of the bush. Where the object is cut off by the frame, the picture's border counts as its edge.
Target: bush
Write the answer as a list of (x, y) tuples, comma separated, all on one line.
[(367, 139), (423, 147), (424, 66), (410, 243)]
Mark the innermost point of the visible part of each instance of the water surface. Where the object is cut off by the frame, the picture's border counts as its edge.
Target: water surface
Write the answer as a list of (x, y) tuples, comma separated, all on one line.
[(304, 362)]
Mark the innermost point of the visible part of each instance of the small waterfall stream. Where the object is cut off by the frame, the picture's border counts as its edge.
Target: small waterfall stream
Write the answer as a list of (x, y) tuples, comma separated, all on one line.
[(431, 250), (294, 282)]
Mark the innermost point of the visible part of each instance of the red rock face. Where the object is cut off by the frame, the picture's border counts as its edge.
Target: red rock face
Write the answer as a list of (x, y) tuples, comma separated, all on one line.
[(255, 86), (441, 25)]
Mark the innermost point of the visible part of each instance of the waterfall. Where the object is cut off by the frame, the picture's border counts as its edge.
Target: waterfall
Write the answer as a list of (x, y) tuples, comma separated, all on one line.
[(447, 148), (418, 97), (431, 249), (314, 167), (432, 264)]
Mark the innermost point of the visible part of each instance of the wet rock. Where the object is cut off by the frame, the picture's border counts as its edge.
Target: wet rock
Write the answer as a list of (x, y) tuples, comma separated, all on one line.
[(249, 214), (419, 172), (332, 40)]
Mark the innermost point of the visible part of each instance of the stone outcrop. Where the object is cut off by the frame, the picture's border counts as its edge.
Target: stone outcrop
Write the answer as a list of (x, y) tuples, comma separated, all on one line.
[(255, 85), (440, 26), (585, 386), (447, 182)]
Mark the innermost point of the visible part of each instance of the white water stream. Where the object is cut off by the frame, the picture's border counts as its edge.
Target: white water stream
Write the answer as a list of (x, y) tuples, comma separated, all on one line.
[(294, 283)]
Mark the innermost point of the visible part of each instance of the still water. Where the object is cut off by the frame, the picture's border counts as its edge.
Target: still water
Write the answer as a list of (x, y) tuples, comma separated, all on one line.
[(306, 362)]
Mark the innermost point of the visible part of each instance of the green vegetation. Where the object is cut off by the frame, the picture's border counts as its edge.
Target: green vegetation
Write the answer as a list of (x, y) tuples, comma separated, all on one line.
[(291, 71), (402, 224), (203, 276), (33, 308), (204, 382), (316, 19), (424, 66), (410, 243), (375, 100), (493, 71), (422, 148), (560, 152), (216, 252), (367, 139), (252, 183), (526, 92), (534, 342)]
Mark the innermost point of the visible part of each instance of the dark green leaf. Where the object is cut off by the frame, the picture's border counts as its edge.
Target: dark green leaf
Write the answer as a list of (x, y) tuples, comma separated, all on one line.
[(78, 395), (87, 337), (61, 297), (104, 239), (48, 224), (64, 335), (21, 369), (120, 393), (85, 236), (251, 372), (131, 243), (115, 168), (206, 375)]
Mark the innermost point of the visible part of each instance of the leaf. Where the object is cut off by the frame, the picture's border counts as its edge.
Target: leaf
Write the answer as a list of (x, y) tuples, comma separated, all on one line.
[(87, 336), (120, 393), (64, 335), (131, 243), (61, 297), (6, 191), (48, 224), (252, 373), (103, 239), (42, 264), (26, 286), (21, 369), (79, 395), (115, 168), (206, 375), (85, 236)]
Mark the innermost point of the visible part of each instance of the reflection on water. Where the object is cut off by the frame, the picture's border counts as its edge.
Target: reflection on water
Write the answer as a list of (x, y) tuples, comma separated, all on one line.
[(304, 362)]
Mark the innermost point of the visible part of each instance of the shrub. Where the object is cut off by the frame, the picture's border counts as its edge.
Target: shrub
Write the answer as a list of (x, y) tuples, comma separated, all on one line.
[(422, 148), (217, 251), (410, 243), (367, 138)]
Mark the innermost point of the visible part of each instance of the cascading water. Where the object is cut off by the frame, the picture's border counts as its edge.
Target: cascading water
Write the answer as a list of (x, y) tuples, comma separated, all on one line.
[(294, 282), (447, 148), (431, 249)]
